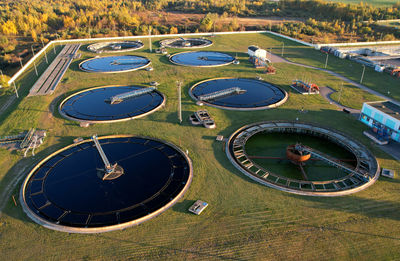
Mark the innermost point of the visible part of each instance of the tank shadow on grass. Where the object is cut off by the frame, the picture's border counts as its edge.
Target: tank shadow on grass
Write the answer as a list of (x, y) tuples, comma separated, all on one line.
[(182, 207), (355, 205), (171, 117)]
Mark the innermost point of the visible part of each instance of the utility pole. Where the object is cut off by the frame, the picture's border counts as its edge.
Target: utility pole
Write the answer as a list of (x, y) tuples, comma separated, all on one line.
[(151, 50), (179, 84), (55, 51), (55, 45), (2, 76), (20, 61), (362, 75), (283, 47), (15, 89), (34, 63), (33, 52), (326, 61), (45, 56), (340, 93)]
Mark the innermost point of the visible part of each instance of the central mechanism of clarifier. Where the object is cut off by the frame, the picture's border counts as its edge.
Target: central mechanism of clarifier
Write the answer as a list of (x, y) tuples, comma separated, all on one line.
[(296, 154), (109, 172)]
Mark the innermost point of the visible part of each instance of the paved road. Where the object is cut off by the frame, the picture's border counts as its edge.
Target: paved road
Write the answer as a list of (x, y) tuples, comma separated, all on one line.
[(277, 59), (326, 92)]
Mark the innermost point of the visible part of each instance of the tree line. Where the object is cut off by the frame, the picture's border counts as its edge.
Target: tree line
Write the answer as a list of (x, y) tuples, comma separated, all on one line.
[(44, 20)]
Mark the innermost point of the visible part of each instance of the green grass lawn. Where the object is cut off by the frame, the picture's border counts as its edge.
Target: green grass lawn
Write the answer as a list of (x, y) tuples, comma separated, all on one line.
[(244, 220)]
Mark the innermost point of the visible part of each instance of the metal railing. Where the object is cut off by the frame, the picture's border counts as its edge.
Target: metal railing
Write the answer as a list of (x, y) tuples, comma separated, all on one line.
[(221, 93), (126, 95)]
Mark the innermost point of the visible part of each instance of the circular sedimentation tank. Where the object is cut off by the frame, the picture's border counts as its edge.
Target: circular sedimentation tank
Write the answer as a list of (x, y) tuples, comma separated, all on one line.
[(241, 94), (114, 64), (324, 173), (66, 192), (186, 43), (202, 59), (115, 47), (94, 105)]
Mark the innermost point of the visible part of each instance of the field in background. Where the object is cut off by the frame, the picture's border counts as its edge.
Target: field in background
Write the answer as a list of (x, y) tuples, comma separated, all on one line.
[(372, 2), (245, 220)]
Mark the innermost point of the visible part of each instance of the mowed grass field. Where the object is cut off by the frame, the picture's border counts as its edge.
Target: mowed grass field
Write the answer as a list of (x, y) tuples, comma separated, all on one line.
[(244, 220), (372, 2)]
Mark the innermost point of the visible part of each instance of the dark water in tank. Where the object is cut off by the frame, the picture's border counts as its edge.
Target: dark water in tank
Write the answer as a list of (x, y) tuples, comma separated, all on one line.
[(258, 93), (68, 190), (93, 105)]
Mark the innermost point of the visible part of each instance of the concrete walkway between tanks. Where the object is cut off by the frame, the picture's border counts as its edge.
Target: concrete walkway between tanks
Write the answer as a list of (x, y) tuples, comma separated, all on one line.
[(277, 59)]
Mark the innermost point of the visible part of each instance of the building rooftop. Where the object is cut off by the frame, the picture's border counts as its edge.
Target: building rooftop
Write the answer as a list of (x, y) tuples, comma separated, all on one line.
[(387, 107), (253, 48)]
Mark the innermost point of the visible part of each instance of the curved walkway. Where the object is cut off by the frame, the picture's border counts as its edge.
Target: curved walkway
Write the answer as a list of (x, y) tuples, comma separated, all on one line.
[(277, 59), (326, 92)]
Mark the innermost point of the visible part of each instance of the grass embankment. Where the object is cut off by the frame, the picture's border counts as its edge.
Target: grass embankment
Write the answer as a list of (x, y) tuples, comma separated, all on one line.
[(245, 220)]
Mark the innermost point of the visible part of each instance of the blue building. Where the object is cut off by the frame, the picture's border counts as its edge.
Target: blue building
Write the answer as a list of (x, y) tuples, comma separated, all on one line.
[(384, 119)]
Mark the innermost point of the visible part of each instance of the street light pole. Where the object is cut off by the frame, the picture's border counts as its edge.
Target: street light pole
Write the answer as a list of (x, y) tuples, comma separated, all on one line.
[(20, 61), (362, 75), (179, 84), (340, 93), (15, 89), (326, 61), (45, 54), (150, 46), (34, 63)]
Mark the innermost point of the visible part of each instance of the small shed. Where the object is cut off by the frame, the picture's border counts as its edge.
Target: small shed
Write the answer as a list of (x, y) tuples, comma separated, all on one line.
[(255, 51), (198, 207)]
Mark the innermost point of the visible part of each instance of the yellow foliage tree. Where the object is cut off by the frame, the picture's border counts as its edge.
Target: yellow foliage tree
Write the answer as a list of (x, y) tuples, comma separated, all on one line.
[(9, 27)]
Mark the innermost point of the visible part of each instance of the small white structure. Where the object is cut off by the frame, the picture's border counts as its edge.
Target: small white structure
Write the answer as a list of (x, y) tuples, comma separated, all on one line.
[(379, 68), (198, 207), (255, 51), (387, 173)]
